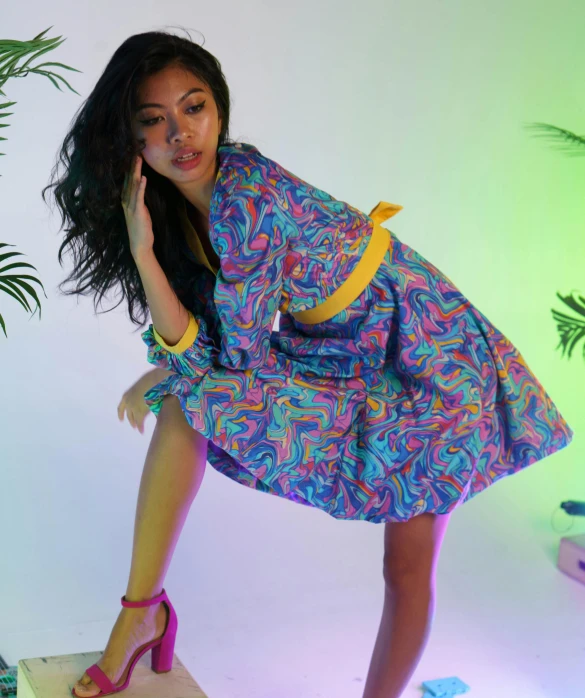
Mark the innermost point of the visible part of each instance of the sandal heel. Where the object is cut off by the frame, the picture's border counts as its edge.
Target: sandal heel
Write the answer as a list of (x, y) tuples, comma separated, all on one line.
[(161, 659)]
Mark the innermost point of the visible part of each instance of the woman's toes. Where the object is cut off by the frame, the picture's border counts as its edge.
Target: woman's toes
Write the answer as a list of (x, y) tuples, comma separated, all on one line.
[(86, 687)]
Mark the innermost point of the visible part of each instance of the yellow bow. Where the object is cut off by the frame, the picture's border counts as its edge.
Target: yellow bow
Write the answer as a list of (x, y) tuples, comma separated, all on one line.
[(383, 211)]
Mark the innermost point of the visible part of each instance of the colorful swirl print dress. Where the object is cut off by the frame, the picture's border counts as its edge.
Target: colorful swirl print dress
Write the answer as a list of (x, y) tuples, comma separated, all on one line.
[(383, 395)]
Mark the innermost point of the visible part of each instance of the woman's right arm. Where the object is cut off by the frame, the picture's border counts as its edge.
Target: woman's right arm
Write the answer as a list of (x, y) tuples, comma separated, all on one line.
[(133, 403), (159, 374)]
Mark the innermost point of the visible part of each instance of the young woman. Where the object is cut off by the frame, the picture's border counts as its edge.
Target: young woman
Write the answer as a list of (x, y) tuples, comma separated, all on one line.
[(385, 396)]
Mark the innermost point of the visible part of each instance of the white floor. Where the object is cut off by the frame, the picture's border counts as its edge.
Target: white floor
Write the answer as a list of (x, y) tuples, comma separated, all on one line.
[(508, 623)]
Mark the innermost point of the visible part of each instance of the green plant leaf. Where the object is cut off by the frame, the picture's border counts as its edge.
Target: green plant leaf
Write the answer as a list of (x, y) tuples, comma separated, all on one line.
[(571, 329), (562, 135), (21, 298), (44, 32), (59, 64), (52, 45), (11, 58), (42, 72), (8, 255), (27, 287)]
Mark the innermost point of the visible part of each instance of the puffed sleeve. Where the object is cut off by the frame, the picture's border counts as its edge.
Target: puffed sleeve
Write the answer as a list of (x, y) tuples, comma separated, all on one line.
[(250, 237)]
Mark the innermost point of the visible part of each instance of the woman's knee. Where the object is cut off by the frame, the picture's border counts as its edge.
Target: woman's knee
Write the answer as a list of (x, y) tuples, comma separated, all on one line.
[(411, 549)]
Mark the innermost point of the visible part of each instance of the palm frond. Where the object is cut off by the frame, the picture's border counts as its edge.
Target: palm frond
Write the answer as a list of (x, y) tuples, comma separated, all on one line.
[(567, 139), (11, 284), (11, 52), (571, 329)]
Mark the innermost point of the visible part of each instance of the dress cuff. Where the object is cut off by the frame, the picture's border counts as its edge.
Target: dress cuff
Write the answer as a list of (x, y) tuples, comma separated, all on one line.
[(186, 340)]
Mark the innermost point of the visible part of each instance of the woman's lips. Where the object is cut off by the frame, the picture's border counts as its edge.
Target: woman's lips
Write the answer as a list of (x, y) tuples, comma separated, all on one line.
[(187, 164)]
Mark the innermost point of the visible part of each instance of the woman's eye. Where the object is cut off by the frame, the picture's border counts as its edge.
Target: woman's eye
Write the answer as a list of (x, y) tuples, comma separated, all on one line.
[(197, 108)]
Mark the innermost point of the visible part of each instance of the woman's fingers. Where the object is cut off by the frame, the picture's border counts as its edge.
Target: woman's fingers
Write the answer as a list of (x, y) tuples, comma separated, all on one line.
[(132, 181), (137, 423), (136, 415), (124, 407), (136, 180)]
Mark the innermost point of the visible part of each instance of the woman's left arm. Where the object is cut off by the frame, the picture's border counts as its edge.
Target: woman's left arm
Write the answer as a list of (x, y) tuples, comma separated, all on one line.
[(252, 236)]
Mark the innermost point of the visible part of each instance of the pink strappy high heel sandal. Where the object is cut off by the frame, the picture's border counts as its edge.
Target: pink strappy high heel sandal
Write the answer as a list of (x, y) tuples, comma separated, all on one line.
[(163, 650)]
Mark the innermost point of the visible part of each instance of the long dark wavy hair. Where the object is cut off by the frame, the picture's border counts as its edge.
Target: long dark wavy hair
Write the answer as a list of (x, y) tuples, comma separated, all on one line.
[(98, 151)]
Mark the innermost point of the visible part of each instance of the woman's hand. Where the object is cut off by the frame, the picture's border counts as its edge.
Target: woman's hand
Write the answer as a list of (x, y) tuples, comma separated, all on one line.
[(138, 220), (133, 399)]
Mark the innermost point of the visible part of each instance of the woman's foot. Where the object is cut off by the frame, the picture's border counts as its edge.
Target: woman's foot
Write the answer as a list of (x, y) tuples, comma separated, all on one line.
[(133, 628)]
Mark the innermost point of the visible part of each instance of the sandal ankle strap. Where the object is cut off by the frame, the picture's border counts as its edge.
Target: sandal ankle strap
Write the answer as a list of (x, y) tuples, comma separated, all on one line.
[(148, 602)]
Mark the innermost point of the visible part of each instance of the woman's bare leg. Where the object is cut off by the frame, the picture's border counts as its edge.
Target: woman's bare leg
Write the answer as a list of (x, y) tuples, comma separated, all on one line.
[(173, 472), (411, 553)]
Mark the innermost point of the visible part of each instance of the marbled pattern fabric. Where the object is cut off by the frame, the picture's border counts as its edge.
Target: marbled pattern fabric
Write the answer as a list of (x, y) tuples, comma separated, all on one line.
[(408, 401)]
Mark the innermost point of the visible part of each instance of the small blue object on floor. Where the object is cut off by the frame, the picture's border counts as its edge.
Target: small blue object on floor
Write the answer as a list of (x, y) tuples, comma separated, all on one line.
[(445, 688)]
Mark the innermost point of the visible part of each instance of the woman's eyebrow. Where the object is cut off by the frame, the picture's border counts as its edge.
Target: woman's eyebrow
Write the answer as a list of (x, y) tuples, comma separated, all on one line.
[(162, 106)]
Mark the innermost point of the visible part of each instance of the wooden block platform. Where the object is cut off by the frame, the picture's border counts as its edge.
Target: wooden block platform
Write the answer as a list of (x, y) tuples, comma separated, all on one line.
[(54, 677)]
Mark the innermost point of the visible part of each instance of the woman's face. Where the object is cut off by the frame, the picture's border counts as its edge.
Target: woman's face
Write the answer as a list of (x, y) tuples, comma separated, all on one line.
[(162, 130)]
